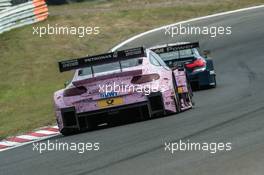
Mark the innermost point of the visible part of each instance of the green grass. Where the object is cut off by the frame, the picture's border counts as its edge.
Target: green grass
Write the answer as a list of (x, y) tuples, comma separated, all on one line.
[(28, 69)]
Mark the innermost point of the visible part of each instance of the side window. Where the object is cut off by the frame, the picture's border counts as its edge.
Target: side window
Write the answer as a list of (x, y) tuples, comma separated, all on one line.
[(85, 71), (196, 52), (157, 57), (153, 60), (157, 61)]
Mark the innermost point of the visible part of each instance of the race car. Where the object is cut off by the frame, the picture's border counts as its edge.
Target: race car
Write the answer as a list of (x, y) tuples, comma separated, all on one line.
[(133, 83), (200, 70)]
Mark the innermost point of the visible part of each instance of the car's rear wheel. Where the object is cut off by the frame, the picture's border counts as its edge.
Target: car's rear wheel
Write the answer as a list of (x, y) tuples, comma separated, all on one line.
[(190, 94), (214, 81), (67, 132), (190, 99), (91, 124), (177, 102), (177, 99)]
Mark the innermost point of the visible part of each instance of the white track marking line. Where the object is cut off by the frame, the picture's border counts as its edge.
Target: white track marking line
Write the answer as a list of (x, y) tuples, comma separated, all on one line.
[(9, 143), (182, 22)]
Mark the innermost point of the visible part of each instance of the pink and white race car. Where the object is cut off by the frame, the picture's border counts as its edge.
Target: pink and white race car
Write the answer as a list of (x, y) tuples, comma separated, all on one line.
[(133, 84)]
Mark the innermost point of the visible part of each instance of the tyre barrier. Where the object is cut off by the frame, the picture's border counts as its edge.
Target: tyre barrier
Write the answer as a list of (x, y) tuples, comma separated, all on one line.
[(5, 4), (22, 14), (16, 2)]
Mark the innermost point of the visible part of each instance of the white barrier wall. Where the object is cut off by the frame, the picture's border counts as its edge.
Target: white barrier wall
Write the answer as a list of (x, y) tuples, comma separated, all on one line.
[(22, 14)]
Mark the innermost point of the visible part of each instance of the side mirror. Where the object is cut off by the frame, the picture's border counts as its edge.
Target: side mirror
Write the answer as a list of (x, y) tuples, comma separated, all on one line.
[(206, 53), (66, 83)]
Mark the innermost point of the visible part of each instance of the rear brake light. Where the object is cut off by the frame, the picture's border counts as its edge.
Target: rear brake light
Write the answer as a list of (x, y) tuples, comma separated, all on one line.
[(140, 79), (74, 91), (197, 63)]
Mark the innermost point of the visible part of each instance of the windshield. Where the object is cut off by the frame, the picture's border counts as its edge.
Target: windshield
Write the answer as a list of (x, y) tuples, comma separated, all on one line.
[(115, 66), (167, 56)]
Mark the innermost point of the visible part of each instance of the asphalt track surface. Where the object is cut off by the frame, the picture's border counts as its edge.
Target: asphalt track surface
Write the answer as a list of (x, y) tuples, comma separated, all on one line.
[(233, 112)]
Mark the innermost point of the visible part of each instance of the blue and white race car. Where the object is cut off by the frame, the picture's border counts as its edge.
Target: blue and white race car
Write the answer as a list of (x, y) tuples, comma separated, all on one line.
[(200, 70)]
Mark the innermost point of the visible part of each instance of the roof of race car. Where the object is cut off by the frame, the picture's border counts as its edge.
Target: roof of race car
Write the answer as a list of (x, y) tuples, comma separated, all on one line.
[(168, 44)]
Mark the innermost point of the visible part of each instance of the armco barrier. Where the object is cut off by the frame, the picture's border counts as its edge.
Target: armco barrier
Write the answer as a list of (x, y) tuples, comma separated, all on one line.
[(23, 14)]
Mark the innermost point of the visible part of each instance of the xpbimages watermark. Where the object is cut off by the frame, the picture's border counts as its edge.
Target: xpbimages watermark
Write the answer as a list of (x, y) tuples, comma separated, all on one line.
[(126, 88), (81, 31), (213, 147), (65, 146), (212, 31)]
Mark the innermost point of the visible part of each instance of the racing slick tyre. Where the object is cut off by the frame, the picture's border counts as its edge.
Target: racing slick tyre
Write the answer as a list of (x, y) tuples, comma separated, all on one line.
[(190, 99), (67, 132), (91, 125), (190, 93), (176, 96), (214, 80), (177, 102)]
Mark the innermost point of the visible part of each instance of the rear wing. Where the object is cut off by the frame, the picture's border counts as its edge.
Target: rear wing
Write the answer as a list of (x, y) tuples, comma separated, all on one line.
[(170, 48), (101, 59)]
